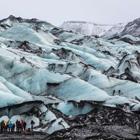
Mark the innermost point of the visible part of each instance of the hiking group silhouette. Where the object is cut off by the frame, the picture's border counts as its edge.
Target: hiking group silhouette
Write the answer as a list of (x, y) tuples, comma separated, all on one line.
[(18, 126)]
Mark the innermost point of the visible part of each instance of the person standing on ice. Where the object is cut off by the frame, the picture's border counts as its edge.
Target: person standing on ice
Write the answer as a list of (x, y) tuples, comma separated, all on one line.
[(119, 92), (32, 124), (113, 93)]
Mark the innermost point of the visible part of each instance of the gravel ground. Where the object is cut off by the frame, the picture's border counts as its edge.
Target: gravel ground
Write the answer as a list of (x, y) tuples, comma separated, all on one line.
[(19, 136), (103, 123)]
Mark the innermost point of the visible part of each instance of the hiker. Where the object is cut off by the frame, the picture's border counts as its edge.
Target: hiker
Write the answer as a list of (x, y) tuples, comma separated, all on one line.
[(113, 93), (2, 126), (119, 92), (10, 126), (18, 126), (32, 124), (5, 124), (23, 125), (13, 128)]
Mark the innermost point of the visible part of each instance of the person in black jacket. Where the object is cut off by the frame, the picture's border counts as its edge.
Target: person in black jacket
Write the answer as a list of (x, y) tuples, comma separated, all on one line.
[(32, 124)]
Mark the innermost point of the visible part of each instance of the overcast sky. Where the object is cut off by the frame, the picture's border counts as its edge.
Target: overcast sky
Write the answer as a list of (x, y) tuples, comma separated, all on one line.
[(57, 11)]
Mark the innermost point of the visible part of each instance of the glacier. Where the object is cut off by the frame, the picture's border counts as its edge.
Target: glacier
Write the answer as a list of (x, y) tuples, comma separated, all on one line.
[(55, 74)]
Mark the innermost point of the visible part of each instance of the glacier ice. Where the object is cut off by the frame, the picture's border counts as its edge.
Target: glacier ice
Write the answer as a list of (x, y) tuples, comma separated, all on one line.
[(44, 68)]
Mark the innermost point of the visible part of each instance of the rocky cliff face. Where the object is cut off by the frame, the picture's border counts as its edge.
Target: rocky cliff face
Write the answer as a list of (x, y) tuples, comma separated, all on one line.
[(132, 28)]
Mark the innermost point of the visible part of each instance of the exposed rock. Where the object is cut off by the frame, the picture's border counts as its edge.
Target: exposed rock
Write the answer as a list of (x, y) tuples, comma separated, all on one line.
[(132, 28)]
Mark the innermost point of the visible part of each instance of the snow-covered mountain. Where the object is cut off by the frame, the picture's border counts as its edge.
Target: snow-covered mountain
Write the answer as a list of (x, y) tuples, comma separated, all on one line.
[(115, 30), (52, 75), (89, 28), (86, 28)]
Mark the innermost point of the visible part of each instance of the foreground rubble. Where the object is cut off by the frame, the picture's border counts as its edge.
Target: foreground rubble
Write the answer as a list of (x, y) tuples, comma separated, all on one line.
[(103, 123)]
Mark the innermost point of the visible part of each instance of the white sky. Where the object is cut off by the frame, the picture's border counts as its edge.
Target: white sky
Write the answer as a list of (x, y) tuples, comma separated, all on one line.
[(57, 11)]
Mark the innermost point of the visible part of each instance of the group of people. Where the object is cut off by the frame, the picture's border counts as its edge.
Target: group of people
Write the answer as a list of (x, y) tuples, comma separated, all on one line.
[(18, 126), (117, 92)]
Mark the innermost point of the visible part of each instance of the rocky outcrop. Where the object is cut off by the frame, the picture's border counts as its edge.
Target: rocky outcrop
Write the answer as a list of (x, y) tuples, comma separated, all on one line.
[(132, 28)]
